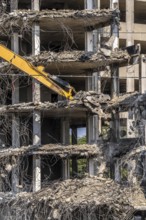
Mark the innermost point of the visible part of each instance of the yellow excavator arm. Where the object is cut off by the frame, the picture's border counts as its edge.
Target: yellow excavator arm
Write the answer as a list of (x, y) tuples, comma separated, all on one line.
[(52, 82)]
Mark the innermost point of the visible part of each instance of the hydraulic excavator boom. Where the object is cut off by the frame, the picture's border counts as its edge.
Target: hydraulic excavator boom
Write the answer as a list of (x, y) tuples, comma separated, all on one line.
[(52, 82)]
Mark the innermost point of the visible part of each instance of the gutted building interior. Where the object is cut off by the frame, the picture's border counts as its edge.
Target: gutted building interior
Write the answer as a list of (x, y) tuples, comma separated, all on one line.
[(72, 110)]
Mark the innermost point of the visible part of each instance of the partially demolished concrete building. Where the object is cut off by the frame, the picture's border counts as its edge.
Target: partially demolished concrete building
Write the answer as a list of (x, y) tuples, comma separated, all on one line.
[(46, 170)]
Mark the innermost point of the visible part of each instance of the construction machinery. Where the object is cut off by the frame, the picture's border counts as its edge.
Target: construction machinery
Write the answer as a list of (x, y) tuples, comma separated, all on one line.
[(54, 83)]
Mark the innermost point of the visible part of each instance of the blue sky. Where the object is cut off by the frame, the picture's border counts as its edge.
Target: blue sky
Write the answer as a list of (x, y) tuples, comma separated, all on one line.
[(81, 132)]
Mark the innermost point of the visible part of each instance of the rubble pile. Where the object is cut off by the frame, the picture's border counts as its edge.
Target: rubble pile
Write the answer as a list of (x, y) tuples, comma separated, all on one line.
[(94, 197)]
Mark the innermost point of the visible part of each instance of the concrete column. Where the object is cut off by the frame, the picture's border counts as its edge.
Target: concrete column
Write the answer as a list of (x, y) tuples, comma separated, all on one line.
[(65, 131), (130, 41), (130, 79), (88, 4), (15, 131), (116, 126), (93, 129), (35, 39), (91, 44), (130, 87), (15, 79), (137, 218), (74, 160), (74, 135), (35, 5), (15, 96), (91, 164), (115, 25), (88, 83), (15, 144), (132, 172), (96, 82), (66, 169), (142, 73), (15, 100), (15, 42), (13, 5), (114, 4), (142, 90), (36, 173), (117, 171), (115, 81), (97, 32), (130, 22), (98, 4), (36, 158), (65, 141), (144, 170), (89, 41), (36, 98)]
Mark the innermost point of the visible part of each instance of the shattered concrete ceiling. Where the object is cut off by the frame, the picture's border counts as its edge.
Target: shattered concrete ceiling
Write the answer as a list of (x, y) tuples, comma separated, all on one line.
[(82, 101), (56, 20), (59, 150), (75, 62), (127, 101)]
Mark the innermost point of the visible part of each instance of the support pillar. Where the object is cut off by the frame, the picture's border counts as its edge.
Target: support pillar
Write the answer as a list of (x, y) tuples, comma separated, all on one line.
[(114, 4), (36, 98), (13, 5), (130, 41), (137, 218), (130, 85), (15, 100), (117, 171), (142, 73), (65, 131), (132, 172), (35, 5), (65, 141), (98, 4), (130, 22), (115, 81), (74, 160), (116, 126), (93, 129), (36, 173), (93, 83), (96, 82), (91, 164), (66, 169), (89, 41), (115, 24)]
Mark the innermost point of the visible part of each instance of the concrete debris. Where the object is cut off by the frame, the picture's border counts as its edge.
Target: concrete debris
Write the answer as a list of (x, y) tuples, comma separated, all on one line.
[(90, 100), (91, 196), (124, 101), (93, 60), (61, 13), (22, 19), (69, 56), (83, 150)]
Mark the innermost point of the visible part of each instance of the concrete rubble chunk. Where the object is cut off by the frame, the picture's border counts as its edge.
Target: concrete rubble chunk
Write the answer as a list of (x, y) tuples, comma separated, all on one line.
[(77, 196)]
